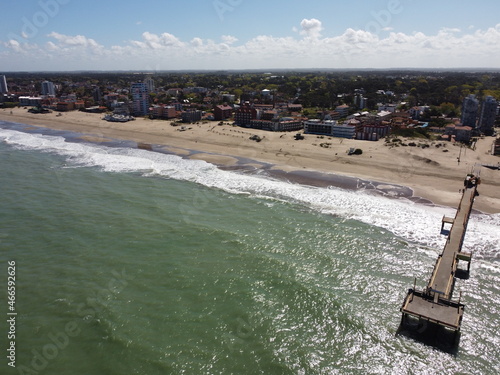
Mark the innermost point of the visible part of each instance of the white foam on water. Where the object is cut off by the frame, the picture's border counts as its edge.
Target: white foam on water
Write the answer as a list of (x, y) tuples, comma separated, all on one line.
[(413, 222)]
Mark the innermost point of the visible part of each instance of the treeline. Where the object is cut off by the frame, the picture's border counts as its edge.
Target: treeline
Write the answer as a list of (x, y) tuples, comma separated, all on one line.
[(443, 91)]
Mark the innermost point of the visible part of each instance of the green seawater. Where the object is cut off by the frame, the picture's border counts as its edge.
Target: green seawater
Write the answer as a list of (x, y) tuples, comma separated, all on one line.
[(120, 273)]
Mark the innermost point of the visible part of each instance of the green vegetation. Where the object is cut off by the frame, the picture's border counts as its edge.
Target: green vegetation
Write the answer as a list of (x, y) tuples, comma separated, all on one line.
[(411, 133), (9, 104)]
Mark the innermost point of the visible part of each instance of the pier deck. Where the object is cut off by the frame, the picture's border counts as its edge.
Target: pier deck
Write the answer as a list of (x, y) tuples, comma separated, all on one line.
[(435, 303)]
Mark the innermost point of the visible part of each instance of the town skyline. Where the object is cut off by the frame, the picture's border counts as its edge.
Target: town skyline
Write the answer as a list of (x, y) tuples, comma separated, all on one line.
[(64, 35)]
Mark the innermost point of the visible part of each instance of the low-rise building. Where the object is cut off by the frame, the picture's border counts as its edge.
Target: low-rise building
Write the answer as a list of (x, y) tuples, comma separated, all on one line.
[(65, 106), (191, 116), (245, 114), (222, 112), (315, 126), (344, 131), (458, 133), (387, 108), (343, 110), (162, 112), (277, 125), (463, 133), (373, 132), (329, 128), (30, 101)]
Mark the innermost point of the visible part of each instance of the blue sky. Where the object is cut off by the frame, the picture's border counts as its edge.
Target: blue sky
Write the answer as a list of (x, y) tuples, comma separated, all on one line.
[(248, 34)]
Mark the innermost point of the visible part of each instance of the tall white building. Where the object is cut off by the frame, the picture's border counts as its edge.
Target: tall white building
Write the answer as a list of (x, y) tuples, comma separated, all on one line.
[(48, 88), (488, 115), (3, 85), (140, 99), (470, 108), (150, 84)]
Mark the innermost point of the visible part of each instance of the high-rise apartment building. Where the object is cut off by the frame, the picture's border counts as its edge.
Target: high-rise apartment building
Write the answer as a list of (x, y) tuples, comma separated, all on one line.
[(3, 85), (140, 99), (48, 88), (488, 115), (150, 84), (470, 109)]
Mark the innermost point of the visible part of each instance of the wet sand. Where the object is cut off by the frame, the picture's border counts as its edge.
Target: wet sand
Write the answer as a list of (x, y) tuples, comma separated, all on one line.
[(424, 175)]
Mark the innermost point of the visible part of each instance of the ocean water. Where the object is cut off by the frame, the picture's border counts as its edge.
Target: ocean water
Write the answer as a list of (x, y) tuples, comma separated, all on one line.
[(136, 262)]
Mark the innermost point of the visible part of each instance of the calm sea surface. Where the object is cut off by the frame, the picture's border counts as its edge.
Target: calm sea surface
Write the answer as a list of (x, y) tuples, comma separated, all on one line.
[(135, 262)]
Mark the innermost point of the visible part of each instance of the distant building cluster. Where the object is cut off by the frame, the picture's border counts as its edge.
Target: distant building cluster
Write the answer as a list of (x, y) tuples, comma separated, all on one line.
[(262, 109)]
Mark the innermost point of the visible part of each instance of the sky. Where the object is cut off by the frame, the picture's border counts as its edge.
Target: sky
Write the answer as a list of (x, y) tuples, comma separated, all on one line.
[(67, 35)]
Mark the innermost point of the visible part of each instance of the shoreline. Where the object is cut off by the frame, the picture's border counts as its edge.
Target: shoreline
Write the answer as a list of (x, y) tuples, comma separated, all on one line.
[(425, 176)]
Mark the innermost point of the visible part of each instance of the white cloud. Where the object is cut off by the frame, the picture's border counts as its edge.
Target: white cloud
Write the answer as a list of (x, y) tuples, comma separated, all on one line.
[(157, 42), (196, 42), (354, 48), (311, 28), (73, 41), (228, 39)]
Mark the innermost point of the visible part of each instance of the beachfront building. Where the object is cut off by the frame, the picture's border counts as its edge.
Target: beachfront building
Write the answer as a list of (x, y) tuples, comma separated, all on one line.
[(48, 88), (373, 132), (344, 131), (140, 99), (222, 112), (288, 124), (329, 128), (33, 101), (3, 85), (316, 126), (488, 115), (162, 112), (245, 114), (283, 124), (470, 108), (457, 133), (191, 116)]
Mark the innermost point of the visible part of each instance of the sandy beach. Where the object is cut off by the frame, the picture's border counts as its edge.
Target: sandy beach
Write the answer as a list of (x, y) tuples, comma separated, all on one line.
[(433, 173)]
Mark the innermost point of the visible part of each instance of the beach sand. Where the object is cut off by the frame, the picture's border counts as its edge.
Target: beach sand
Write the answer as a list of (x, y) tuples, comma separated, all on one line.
[(432, 173)]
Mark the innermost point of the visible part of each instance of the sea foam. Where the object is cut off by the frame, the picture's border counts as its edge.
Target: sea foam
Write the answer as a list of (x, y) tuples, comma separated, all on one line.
[(413, 222)]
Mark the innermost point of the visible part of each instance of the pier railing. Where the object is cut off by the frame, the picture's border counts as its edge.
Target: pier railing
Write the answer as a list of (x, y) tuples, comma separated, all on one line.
[(435, 303)]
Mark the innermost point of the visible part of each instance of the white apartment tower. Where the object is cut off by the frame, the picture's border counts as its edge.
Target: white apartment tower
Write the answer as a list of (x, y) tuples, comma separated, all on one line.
[(3, 85), (140, 99), (48, 88), (488, 115), (150, 84)]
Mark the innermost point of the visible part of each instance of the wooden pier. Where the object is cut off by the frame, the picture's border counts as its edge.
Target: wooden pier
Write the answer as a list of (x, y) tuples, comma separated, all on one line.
[(435, 304)]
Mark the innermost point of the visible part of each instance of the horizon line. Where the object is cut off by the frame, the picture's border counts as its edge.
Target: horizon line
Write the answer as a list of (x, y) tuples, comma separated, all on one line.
[(266, 70)]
